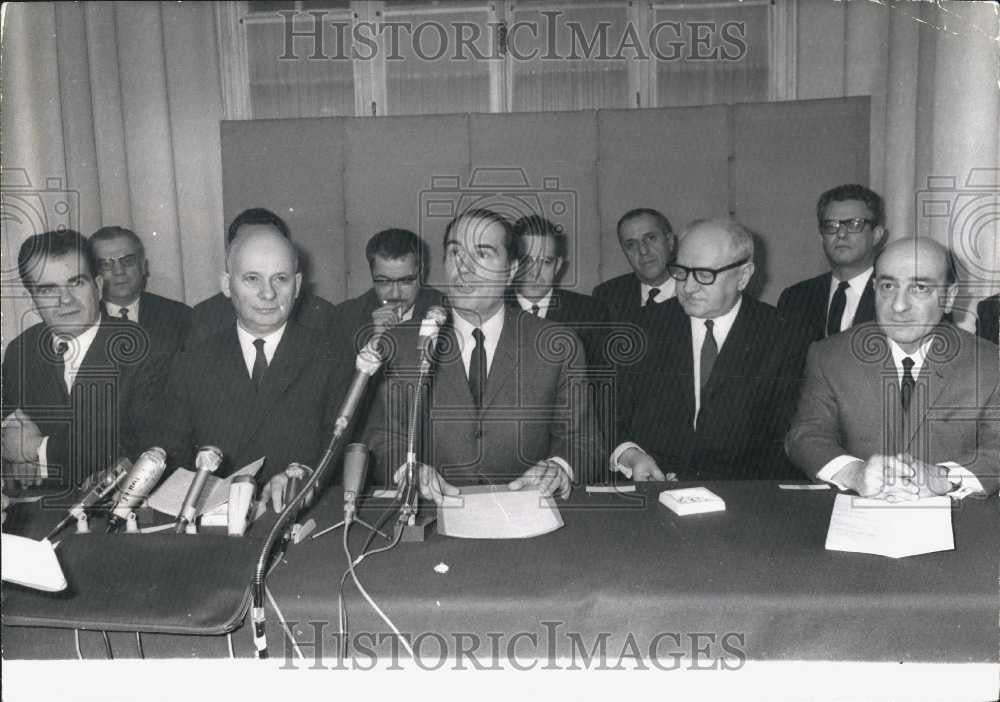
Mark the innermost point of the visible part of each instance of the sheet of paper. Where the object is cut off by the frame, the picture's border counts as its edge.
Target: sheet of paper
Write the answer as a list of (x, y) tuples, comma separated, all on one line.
[(169, 497), (894, 529), (494, 512), (31, 563)]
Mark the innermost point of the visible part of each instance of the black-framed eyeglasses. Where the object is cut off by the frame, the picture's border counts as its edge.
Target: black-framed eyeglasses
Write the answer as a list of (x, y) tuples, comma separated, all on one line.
[(127, 261), (705, 276), (853, 225), (404, 281)]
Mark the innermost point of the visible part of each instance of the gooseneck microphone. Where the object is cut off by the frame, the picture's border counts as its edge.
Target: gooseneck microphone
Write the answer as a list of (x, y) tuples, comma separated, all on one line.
[(207, 461), (430, 327), (108, 483), (141, 480), (366, 365), (355, 467)]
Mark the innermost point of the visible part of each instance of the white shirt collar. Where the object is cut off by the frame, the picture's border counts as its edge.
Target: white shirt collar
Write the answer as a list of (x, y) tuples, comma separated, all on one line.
[(543, 304), (491, 329), (115, 310), (720, 328), (246, 340), (918, 357), (667, 290), (857, 283), (76, 351)]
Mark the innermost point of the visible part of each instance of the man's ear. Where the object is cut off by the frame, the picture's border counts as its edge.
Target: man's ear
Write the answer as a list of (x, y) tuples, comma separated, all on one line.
[(950, 292), (514, 265), (99, 282), (881, 237), (746, 273), (224, 282), (298, 285), (560, 267)]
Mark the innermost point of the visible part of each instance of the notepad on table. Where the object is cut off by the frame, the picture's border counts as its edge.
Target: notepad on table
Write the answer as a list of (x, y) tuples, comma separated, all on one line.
[(893, 529), (695, 500)]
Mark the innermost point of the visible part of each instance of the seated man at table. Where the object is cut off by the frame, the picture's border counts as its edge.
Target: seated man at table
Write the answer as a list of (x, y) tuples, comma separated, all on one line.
[(77, 386), (217, 312), (905, 406), (712, 397), (263, 385), (500, 406)]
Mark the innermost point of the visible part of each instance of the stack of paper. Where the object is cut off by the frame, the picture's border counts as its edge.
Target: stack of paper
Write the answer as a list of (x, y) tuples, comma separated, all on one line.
[(494, 512), (31, 563), (695, 500), (894, 529), (169, 497)]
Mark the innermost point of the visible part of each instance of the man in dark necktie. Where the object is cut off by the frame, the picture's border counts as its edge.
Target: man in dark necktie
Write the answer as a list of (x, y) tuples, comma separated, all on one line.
[(78, 386), (500, 406), (121, 260), (263, 386), (906, 406), (711, 398), (851, 231), (648, 242)]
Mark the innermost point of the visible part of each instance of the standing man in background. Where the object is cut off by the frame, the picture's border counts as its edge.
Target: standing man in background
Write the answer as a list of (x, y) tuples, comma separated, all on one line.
[(852, 232), (648, 241), (988, 319), (217, 312), (122, 263)]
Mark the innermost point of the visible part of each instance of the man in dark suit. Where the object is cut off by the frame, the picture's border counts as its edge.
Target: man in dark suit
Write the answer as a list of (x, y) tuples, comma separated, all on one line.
[(988, 319), (261, 386), (648, 241), (217, 312), (77, 387), (907, 406), (500, 406), (851, 231), (712, 397), (121, 260)]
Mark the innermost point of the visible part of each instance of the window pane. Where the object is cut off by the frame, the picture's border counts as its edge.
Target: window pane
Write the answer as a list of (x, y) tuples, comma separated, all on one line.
[(315, 80), (429, 70), (583, 70), (711, 55)]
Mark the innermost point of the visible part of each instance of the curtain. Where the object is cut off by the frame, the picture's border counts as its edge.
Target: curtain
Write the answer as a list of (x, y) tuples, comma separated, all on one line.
[(111, 116)]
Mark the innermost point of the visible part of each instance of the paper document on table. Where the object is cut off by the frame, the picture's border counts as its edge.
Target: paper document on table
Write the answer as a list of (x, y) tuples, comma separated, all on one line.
[(894, 529), (494, 512), (169, 497), (31, 563)]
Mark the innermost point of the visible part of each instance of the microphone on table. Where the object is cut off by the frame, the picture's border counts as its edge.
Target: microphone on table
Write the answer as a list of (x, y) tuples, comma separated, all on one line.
[(367, 363), (355, 467), (207, 461), (109, 482), (292, 486), (141, 480)]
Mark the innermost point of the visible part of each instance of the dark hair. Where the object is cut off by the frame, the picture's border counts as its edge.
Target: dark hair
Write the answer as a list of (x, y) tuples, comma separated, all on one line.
[(509, 241), (257, 215), (852, 191), (660, 218), (536, 225), (395, 244), (52, 244), (113, 232)]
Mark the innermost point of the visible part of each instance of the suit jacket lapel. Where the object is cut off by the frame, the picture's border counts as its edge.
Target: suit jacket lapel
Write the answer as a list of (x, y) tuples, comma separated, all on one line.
[(932, 381), (232, 381), (290, 358), (819, 303), (450, 386), (733, 359), (866, 305), (52, 368), (682, 363), (504, 358)]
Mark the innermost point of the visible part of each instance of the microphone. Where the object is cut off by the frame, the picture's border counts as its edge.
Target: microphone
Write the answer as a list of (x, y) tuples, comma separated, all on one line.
[(207, 461), (366, 365), (355, 467), (141, 480), (108, 483), (430, 327)]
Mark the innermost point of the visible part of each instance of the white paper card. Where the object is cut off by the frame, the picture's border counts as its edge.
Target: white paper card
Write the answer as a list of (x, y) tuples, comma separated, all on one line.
[(31, 563), (169, 497), (695, 500), (893, 529), (495, 512)]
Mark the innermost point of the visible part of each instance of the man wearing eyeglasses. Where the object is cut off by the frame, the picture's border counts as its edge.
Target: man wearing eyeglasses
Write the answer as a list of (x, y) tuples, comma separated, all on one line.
[(851, 232), (78, 387), (121, 260), (712, 396)]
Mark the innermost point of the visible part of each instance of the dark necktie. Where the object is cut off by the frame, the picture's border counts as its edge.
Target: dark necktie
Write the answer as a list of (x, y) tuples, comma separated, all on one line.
[(477, 368), (60, 363), (123, 312), (651, 297), (709, 352), (837, 309), (259, 363), (908, 384), (534, 310)]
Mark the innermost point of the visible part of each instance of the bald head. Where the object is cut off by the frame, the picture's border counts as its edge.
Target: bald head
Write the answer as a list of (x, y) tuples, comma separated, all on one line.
[(262, 278), (914, 288), (722, 246)]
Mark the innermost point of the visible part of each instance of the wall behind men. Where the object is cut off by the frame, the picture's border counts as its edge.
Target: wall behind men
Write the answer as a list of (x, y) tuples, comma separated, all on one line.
[(339, 180)]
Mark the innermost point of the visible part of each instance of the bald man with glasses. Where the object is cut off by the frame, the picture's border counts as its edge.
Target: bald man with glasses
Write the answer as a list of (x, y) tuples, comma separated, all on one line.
[(712, 397)]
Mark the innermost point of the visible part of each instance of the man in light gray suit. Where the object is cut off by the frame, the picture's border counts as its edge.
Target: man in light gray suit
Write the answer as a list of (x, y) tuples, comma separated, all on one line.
[(906, 406)]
